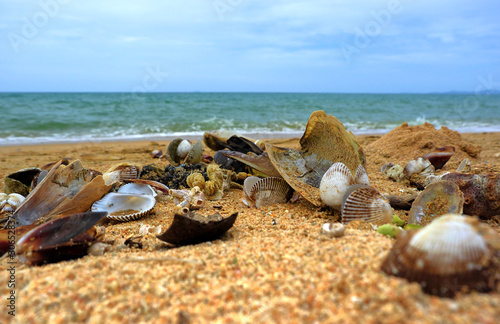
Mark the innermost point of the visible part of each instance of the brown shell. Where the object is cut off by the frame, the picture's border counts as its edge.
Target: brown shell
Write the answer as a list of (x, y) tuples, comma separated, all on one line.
[(270, 191), (453, 253), (439, 198), (20, 181), (440, 156), (362, 202), (195, 228)]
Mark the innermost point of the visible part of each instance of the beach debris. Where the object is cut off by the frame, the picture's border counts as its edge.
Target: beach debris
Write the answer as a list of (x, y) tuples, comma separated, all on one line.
[(158, 186), (390, 230), (362, 202), (64, 238), (418, 166), (335, 182), (464, 166), (20, 181), (121, 172), (145, 230), (9, 203), (186, 200), (219, 181), (265, 192), (196, 179), (386, 167), (156, 154), (325, 142), (181, 151), (439, 198), (396, 220), (440, 156), (195, 228), (481, 192), (333, 229), (65, 190), (403, 202), (174, 177), (454, 253), (131, 202), (395, 173)]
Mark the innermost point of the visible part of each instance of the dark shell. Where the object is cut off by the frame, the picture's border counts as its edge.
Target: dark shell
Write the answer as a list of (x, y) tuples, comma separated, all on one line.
[(20, 181), (439, 198), (481, 193), (195, 228), (453, 253), (64, 238), (440, 156)]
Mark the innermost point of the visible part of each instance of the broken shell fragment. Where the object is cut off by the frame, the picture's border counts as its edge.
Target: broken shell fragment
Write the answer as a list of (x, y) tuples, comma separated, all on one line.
[(9, 203), (464, 166), (156, 154), (124, 207), (195, 228), (121, 172), (266, 192), (453, 253), (440, 156), (64, 238), (333, 229), (439, 198), (418, 166), (362, 202), (185, 200)]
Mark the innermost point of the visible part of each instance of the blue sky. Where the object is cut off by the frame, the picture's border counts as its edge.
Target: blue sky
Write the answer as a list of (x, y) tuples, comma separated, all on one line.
[(243, 45)]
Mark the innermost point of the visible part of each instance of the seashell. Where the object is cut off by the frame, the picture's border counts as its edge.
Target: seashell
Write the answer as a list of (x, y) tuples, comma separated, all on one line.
[(361, 176), (124, 207), (194, 228), (38, 178), (440, 156), (481, 193), (439, 198), (196, 179), (267, 191), (147, 229), (395, 173), (417, 166), (386, 167), (9, 203), (362, 202), (124, 171), (453, 253), (333, 229), (64, 238), (65, 190), (189, 153), (20, 181), (334, 183), (261, 162), (247, 188), (188, 199), (154, 184), (156, 154), (464, 166), (137, 188)]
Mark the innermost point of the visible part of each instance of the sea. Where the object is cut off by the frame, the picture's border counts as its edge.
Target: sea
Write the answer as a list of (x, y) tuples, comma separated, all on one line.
[(33, 118)]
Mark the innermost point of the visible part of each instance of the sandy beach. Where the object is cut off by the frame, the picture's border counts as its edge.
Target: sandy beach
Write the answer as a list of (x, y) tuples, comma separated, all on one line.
[(274, 265)]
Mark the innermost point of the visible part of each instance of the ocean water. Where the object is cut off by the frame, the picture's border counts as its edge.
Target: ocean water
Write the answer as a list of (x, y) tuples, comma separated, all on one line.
[(28, 118)]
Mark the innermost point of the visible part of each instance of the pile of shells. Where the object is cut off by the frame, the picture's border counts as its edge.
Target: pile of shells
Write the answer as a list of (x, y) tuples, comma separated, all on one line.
[(452, 254)]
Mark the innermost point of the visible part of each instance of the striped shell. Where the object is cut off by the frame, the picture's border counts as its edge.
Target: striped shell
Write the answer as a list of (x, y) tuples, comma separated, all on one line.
[(120, 172), (267, 191), (452, 253), (124, 207), (137, 188), (363, 202), (334, 183), (361, 176), (439, 198)]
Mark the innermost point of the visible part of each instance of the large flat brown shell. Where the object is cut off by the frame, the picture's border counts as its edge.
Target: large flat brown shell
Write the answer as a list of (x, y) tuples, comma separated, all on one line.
[(437, 199), (326, 141), (296, 170), (195, 228)]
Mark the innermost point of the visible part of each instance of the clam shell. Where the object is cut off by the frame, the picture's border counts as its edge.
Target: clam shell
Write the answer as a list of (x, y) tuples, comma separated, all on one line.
[(137, 188), (193, 156), (334, 183), (451, 253), (270, 191), (416, 166), (361, 176), (20, 181), (183, 148), (439, 198), (124, 207), (362, 202), (247, 187)]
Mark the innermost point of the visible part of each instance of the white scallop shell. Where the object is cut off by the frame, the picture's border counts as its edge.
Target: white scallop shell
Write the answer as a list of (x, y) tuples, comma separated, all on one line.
[(334, 183), (137, 188), (247, 188), (363, 202), (124, 207), (270, 191), (361, 176), (183, 148), (452, 252)]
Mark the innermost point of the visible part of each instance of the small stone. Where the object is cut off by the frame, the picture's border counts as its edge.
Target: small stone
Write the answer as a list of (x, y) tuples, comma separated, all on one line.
[(395, 173), (333, 230), (397, 221)]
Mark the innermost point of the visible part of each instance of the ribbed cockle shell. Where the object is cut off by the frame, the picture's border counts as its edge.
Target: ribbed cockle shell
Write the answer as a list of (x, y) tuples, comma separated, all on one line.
[(266, 191), (362, 202), (124, 207), (451, 254)]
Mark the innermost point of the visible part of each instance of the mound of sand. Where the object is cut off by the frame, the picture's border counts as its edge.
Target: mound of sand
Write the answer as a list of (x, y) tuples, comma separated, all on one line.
[(405, 143)]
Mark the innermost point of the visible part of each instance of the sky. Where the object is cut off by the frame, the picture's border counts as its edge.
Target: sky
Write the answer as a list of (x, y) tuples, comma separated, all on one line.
[(367, 46)]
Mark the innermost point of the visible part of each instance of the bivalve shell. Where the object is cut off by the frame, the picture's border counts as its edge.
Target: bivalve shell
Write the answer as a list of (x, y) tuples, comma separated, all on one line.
[(9, 203), (268, 191), (453, 253), (180, 151), (334, 183), (136, 188), (124, 207), (362, 202)]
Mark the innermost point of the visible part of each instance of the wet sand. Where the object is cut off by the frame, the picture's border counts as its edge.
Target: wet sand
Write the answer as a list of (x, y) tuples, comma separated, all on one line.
[(274, 265)]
